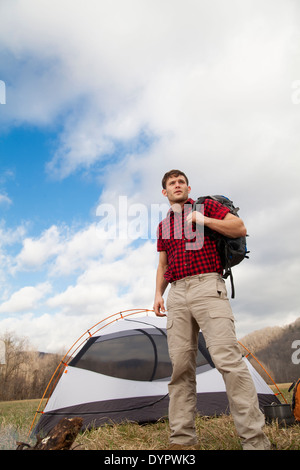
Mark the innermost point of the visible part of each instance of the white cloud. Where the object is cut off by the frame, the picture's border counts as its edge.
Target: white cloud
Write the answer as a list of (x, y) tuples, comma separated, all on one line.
[(64, 250), (5, 199), (8, 238), (208, 86), (206, 78), (47, 332), (25, 299), (36, 252), (78, 249), (109, 284)]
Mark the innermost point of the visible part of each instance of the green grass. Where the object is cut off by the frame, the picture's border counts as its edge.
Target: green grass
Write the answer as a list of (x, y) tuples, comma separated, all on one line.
[(214, 433), (15, 422)]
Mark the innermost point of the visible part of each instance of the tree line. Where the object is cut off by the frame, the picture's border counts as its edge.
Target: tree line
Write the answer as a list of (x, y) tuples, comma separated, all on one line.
[(25, 373), (278, 350)]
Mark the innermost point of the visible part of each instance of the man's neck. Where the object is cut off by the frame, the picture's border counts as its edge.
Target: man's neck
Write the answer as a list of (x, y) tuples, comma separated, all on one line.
[(178, 206)]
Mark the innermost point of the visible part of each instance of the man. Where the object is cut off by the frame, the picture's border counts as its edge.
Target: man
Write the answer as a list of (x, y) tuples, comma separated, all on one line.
[(198, 300)]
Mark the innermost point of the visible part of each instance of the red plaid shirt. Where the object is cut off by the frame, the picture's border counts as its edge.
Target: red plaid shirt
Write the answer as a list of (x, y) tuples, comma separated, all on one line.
[(188, 251)]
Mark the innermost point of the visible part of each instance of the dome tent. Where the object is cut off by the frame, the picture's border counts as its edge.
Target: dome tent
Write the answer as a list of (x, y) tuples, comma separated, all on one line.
[(121, 373)]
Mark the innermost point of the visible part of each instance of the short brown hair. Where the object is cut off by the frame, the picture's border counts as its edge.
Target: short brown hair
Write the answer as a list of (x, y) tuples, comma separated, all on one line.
[(172, 173)]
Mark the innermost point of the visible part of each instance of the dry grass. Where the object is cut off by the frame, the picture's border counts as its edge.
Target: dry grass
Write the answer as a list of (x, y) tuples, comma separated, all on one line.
[(216, 433)]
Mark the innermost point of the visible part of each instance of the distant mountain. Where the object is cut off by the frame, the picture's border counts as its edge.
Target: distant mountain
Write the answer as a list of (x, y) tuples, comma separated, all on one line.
[(278, 350)]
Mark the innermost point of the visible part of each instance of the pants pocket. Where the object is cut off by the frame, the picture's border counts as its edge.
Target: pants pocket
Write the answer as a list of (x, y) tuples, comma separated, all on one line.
[(221, 289)]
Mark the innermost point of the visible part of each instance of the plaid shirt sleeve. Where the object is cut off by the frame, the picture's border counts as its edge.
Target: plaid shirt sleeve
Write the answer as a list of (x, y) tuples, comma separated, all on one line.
[(214, 209)]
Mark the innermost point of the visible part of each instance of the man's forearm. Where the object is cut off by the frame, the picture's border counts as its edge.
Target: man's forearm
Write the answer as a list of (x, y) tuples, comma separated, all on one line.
[(161, 285), (231, 226), (161, 282)]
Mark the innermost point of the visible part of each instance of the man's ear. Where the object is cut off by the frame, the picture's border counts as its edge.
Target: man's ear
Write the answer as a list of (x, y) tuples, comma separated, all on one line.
[(189, 189), (164, 192)]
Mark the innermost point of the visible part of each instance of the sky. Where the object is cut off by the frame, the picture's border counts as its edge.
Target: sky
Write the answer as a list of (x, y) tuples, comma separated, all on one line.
[(99, 98)]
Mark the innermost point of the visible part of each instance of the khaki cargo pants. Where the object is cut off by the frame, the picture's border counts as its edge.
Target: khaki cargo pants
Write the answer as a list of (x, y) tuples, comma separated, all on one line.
[(201, 302)]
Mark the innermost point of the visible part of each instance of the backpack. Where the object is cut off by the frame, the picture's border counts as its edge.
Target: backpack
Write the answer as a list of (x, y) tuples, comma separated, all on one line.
[(231, 250), (296, 399)]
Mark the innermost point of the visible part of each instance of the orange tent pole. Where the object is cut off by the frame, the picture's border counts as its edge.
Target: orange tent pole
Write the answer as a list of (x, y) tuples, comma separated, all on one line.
[(263, 370)]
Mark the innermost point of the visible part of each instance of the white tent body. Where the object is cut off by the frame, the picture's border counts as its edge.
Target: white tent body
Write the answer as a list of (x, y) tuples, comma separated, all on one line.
[(122, 374)]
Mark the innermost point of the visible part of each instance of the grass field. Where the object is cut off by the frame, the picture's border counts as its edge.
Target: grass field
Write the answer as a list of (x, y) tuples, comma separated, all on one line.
[(214, 433)]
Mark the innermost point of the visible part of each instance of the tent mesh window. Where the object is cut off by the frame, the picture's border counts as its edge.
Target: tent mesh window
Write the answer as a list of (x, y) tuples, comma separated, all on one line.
[(140, 354)]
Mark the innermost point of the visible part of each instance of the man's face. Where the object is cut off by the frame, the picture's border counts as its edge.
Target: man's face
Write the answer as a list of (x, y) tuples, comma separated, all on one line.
[(177, 190)]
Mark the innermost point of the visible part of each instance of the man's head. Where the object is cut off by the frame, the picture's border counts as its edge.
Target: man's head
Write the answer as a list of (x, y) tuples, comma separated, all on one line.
[(176, 186), (171, 174)]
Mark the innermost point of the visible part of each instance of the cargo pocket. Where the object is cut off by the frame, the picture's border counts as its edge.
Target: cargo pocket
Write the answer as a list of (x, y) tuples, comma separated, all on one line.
[(225, 312), (220, 307), (220, 324)]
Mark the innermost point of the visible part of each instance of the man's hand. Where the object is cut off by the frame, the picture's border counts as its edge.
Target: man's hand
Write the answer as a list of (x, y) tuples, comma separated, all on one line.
[(159, 307), (195, 217)]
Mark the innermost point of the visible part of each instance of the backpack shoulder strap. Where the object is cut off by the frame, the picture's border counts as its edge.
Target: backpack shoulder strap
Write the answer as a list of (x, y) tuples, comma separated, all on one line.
[(199, 201), (215, 236)]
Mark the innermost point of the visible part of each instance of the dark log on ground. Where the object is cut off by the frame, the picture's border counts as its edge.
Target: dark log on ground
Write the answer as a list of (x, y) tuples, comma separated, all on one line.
[(61, 437)]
